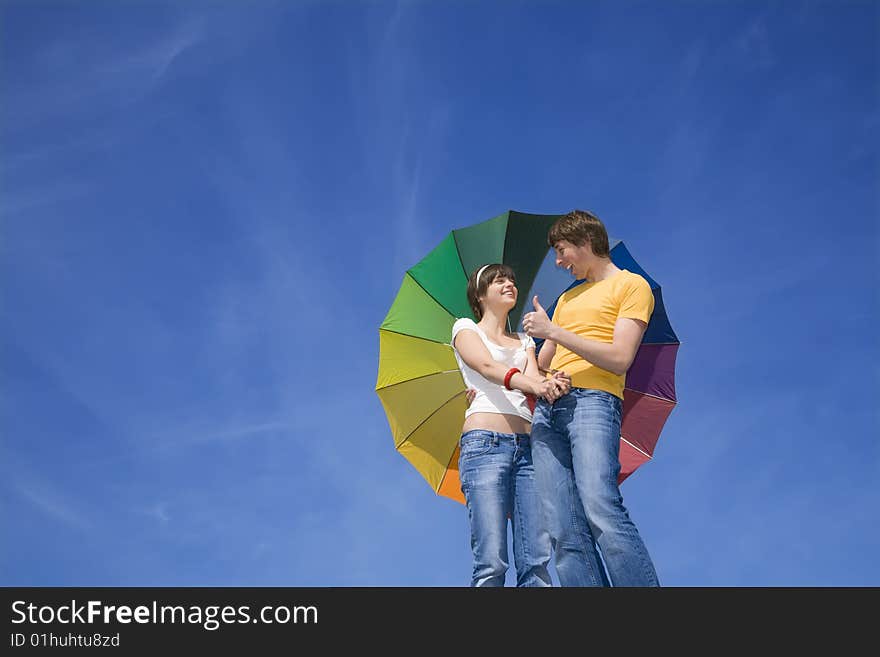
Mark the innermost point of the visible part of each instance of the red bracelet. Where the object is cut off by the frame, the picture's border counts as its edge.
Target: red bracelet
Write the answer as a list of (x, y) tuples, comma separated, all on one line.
[(509, 375)]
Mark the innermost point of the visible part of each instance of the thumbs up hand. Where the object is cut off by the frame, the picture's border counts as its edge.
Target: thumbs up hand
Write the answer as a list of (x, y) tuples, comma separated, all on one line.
[(537, 324)]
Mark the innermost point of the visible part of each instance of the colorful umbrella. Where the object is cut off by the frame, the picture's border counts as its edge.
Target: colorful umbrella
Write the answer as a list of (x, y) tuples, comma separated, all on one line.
[(419, 383)]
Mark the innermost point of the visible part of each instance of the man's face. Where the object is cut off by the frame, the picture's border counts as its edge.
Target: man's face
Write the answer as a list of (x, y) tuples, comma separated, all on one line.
[(571, 257)]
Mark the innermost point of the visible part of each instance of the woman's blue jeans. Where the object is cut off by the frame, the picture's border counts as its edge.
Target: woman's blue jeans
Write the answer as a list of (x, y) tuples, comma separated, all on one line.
[(497, 479), (576, 445)]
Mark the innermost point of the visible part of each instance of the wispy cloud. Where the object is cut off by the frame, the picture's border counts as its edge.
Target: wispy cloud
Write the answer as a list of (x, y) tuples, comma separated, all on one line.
[(77, 76), (693, 62), (753, 43), (158, 512), (50, 501), (153, 60), (401, 131), (185, 435), (14, 202)]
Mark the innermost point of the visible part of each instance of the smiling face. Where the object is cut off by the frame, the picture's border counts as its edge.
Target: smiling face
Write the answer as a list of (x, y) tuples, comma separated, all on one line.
[(491, 286), (575, 259), (501, 293)]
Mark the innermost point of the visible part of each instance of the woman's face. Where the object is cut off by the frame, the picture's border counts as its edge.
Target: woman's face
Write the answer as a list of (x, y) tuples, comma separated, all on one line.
[(501, 293)]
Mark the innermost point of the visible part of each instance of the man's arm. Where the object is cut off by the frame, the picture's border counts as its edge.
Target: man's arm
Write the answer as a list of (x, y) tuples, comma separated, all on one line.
[(545, 356), (615, 357)]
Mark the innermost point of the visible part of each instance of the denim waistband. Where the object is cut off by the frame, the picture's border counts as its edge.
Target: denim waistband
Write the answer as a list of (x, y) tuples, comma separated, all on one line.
[(494, 434), (583, 392)]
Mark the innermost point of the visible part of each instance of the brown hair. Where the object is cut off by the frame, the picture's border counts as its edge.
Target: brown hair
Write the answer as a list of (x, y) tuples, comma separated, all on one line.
[(580, 227), (475, 291)]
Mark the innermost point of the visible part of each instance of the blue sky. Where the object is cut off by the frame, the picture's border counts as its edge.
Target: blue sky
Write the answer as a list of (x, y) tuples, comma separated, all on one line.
[(206, 211)]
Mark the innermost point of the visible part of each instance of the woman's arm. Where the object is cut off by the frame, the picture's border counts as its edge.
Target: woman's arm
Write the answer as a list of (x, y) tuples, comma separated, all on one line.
[(531, 368), (474, 353)]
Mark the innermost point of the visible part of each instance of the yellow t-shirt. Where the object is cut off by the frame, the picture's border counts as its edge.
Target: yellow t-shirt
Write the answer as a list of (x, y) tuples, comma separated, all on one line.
[(590, 310)]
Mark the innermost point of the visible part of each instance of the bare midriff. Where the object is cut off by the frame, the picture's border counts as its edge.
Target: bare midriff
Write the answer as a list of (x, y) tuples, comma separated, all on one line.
[(497, 422)]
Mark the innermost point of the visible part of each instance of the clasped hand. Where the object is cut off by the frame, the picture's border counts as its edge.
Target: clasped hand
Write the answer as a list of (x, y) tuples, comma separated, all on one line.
[(555, 387), (551, 389)]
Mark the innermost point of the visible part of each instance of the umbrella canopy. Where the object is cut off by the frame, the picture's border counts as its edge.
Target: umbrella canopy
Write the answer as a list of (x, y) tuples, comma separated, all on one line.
[(419, 383)]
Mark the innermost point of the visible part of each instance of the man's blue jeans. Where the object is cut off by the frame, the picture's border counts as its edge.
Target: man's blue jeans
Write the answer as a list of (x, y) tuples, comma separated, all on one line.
[(576, 445), (497, 479)]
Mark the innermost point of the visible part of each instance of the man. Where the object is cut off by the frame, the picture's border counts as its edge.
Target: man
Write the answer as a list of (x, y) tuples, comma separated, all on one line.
[(594, 335)]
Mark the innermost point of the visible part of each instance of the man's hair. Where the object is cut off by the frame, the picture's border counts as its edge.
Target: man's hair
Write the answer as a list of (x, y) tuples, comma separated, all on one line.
[(476, 289), (580, 227)]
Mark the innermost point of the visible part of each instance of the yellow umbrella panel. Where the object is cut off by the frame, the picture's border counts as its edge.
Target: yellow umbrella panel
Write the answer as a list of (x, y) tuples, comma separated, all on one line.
[(423, 392)]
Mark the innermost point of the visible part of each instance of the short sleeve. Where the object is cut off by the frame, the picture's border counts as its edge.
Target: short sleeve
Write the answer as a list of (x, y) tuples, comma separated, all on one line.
[(638, 300), (461, 325), (559, 303)]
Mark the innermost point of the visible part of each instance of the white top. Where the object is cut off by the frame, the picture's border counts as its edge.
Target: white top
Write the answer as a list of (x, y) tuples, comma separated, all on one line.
[(493, 397)]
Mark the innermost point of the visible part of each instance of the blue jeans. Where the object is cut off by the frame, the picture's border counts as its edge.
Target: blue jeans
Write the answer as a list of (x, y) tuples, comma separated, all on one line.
[(576, 443), (497, 479)]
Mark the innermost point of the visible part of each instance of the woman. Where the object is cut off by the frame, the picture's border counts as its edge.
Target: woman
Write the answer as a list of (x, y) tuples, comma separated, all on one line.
[(495, 461)]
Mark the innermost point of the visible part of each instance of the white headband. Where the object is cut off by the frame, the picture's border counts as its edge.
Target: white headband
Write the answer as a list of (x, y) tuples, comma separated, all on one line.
[(480, 273)]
